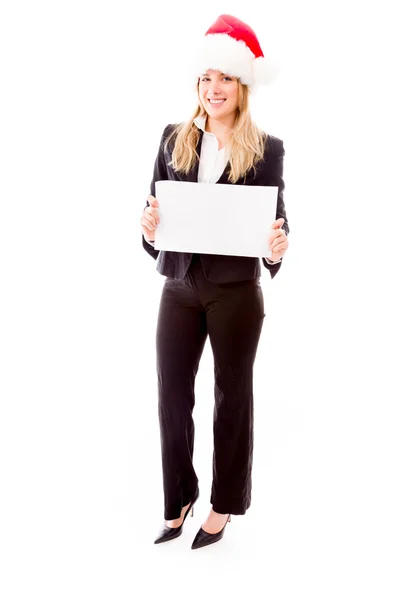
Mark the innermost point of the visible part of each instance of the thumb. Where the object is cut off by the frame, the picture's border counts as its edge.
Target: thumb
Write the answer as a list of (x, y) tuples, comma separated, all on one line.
[(278, 223), (152, 200)]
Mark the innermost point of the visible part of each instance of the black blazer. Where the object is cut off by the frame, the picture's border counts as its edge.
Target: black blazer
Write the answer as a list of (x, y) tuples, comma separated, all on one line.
[(217, 267)]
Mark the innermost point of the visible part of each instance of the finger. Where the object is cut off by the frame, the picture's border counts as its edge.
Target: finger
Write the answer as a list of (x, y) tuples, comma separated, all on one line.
[(276, 234), (152, 217), (278, 243), (148, 223), (279, 247), (150, 210), (147, 233), (272, 237), (152, 200)]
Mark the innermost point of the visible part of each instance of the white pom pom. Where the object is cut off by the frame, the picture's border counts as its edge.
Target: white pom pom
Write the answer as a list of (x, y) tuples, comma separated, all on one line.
[(265, 71)]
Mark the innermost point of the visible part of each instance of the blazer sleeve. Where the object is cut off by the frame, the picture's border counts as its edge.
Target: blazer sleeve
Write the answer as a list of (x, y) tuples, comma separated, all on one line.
[(275, 177), (159, 174)]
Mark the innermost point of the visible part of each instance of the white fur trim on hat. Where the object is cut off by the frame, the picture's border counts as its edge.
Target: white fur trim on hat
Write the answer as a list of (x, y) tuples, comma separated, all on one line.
[(233, 57), (265, 71), (223, 53)]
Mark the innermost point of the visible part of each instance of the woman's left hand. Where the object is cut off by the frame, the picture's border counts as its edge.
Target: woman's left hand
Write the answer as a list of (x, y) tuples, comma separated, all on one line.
[(278, 240)]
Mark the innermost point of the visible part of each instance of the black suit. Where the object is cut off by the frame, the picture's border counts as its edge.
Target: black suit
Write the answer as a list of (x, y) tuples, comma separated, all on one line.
[(220, 268), (219, 296)]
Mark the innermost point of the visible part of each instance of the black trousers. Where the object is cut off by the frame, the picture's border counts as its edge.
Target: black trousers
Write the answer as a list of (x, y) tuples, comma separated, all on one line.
[(232, 315)]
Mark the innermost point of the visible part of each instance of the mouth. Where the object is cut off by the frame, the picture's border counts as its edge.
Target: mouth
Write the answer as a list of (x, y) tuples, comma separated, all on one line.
[(216, 102)]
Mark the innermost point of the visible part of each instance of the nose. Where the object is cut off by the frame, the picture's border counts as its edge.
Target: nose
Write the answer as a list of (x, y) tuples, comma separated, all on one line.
[(215, 87)]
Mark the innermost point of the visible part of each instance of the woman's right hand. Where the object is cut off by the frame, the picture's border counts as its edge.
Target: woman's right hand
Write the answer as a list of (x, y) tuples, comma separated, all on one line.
[(150, 219)]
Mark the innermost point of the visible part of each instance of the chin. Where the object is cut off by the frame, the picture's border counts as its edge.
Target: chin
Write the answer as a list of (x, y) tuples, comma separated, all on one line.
[(212, 111)]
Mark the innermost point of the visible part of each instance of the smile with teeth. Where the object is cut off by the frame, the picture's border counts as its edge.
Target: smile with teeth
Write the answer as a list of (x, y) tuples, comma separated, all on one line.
[(220, 101)]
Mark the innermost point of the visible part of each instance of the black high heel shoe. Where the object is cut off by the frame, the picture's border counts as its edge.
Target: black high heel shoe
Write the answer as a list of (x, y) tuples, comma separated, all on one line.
[(205, 539), (170, 533)]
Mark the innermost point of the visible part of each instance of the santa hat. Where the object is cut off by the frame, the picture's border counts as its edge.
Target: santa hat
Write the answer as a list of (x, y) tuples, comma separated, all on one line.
[(232, 47)]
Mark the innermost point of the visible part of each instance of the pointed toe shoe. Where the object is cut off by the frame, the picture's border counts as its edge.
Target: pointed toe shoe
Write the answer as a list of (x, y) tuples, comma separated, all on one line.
[(205, 539), (170, 533)]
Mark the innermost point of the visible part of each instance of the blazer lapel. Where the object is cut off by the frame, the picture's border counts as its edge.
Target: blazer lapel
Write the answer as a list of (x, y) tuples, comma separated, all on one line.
[(225, 174)]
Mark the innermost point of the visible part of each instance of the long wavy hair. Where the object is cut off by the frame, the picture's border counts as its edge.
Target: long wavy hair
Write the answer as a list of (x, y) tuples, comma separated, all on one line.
[(246, 142)]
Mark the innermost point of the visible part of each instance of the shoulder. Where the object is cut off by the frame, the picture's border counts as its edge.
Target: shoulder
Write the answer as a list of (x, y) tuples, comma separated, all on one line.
[(169, 128), (169, 133), (274, 145)]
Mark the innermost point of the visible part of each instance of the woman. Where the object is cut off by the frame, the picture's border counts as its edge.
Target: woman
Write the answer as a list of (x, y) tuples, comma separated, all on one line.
[(213, 295)]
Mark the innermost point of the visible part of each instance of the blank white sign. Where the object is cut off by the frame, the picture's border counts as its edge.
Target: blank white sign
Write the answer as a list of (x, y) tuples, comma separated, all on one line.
[(214, 218)]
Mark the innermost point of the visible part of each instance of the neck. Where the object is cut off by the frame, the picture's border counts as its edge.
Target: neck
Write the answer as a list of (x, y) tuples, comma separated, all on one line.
[(221, 128)]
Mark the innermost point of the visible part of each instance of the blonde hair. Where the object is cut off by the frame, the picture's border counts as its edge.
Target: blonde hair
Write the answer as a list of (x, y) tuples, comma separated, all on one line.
[(246, 142)]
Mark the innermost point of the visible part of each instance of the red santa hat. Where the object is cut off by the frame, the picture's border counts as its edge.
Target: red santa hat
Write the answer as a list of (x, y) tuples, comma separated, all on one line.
[(232, 47)]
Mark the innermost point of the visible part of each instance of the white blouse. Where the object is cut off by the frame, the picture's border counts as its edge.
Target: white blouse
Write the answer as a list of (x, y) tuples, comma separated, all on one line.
[(212, 161)]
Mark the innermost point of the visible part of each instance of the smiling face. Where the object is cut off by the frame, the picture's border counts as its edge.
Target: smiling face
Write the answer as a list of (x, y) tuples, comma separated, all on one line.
[(214, 85)]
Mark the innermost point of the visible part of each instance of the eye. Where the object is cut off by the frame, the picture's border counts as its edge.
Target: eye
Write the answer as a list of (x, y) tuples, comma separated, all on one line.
[(226, 77)]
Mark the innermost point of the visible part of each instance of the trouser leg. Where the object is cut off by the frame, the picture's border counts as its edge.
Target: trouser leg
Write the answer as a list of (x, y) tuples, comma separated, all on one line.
[(234, 327), (180, 339)]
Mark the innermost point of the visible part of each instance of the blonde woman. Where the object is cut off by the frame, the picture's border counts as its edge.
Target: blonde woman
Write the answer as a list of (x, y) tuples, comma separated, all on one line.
[(215, 295)]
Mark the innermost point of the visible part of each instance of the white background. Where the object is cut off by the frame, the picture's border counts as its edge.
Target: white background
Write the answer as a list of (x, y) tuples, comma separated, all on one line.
[(86, 90)]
